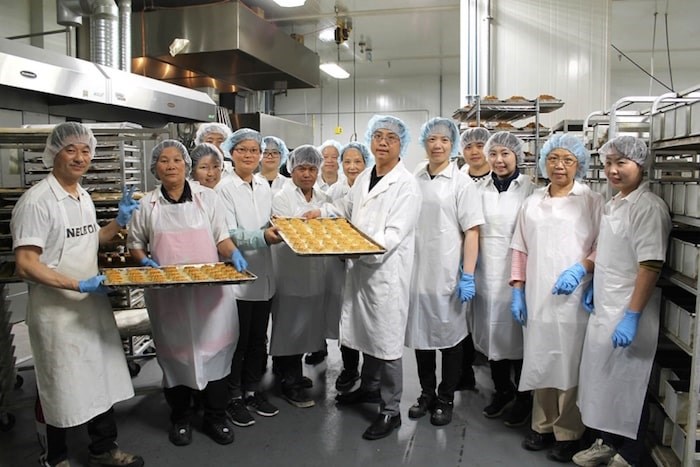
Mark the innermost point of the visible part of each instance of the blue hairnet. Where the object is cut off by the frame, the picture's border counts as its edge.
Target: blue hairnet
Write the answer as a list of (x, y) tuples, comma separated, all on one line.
[(305, 154), (628, 147), (572, 144), (65, 134), (440, 126), (203, 150), (330, 143), (206, 128), (364, 150), (170, 143), (393, 124), (239, 136), (471, 135), (507, 140), (273, 142)]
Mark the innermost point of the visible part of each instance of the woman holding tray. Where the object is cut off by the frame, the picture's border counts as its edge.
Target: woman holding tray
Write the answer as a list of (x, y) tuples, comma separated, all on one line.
[(195, 328)]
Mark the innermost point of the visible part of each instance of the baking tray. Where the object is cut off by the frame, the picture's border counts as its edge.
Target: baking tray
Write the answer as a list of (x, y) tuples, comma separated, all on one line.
[(183, 278), (325, 229)]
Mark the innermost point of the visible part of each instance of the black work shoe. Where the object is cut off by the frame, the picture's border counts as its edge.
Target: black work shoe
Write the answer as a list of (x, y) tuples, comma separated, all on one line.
[(115, 457), (316, 357), (442, 413), (519, 413), (221, 432), (563, 451), (423, 405), (259, 404), (180, 434), (498, 404), (305, 382), (467, 382), (238, 413), (359, 396), (382, 426), (346, 380), (297, 396), (538, 441)]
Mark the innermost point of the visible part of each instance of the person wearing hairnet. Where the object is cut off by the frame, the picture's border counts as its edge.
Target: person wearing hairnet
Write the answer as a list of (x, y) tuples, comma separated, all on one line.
[(494, 331), (329, 174), (298, 321), (274, 157), (623, 327), (447, 245), (216, 134), (72, 331), (248, 203), (556, 228), (355, 157), (195, 328), (207, 163), (384, 203), (472, 143)]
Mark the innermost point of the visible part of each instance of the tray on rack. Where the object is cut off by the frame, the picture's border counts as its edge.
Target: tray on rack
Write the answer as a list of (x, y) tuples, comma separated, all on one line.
[(325, 236), (176, 276)]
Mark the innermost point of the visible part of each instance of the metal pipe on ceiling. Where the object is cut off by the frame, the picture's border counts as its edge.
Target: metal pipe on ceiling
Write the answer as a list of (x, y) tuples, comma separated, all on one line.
[(125, 35), (104, 33), (377, 12)]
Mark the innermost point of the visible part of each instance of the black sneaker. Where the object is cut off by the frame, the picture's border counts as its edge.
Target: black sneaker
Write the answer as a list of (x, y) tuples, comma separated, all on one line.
[(316, 357), (538, 441), (238, 413), (297, 396), (519, 413), (442, 413), (180, 434), (423, 405), (346, 380), (563, 451), (220, 432), (498, 404), (259, 404)]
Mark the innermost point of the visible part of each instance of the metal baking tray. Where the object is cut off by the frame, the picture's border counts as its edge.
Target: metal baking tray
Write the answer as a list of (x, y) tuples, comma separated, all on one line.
[(245, 276), (288, 235)]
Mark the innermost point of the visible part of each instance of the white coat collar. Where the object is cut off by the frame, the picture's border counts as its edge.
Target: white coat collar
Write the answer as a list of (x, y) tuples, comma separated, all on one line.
[(387, 180), (447, 172), (238, 181), (59, 192), (519, 180), (577, 190), (634, 196), (156, 194)]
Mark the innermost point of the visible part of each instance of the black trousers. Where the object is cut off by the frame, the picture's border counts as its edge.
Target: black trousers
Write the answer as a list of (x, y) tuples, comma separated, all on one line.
[(351, 358), (501, 374), (251, 351), (631, 449), (468, 354), (289, 367), (214, 398), (102, 431), (451, 371)]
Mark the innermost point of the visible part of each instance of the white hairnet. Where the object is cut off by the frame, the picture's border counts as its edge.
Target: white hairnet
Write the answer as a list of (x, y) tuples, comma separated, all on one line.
[(170, 143), (207, 128), (471, 135), (239, 136), (363, 149), (443, 127), (203, 150), (305, 154), (65, 134), (274, 143), (629, 147), (330, 143), (393, 124), (572, 144), (507, 140)]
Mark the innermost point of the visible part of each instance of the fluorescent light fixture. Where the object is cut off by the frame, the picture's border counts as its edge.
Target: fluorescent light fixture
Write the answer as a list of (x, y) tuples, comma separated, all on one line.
[(334, 70), (290, 3), (327, 35)]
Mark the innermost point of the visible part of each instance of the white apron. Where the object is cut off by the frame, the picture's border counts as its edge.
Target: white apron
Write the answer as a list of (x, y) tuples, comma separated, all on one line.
[(81, 371), (560, 232), (195, 328), (613, 382), (496, 334)]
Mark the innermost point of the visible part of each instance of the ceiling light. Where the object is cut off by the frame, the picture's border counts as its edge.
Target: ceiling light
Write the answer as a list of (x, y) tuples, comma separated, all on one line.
[(334, 70), (290, 3)]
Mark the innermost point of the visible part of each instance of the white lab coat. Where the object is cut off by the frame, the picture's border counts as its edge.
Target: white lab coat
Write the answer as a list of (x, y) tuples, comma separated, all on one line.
[(323, 186), (298, 315), (248, 208), (494, 331), (81, 371), (555, 233), (376, 295), (437, 319), (277, 184), (613, 382)]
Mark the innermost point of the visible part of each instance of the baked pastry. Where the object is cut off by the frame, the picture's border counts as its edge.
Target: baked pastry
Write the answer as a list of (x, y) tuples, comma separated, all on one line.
[(531, 126), (490, 98), (517, 99), (546, 97), (504, 126)]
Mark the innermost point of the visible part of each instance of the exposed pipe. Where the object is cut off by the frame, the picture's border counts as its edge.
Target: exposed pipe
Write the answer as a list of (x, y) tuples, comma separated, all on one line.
[(125, 35), (377, 12), (104, 33)]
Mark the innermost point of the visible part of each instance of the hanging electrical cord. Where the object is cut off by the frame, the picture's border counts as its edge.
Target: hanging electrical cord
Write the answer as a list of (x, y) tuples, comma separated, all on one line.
[(353, 137), (337, 125), (668, 48), (653, 49)]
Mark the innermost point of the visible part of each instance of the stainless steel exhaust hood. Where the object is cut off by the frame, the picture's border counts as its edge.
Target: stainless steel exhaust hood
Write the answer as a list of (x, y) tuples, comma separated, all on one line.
[(80, 89), (229, 45)]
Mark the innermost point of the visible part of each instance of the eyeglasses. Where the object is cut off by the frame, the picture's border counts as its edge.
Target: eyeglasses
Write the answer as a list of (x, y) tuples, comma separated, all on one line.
[(251, 151), (271, 154), (390, 139), (567, 161)]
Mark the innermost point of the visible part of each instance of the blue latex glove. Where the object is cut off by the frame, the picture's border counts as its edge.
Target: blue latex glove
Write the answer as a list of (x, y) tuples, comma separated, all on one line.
[(93, 285), (588, 298), (518, 307), (127, 206), (626, 329), (148, 262), (239, 261), (467, 287), (569, 279)]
